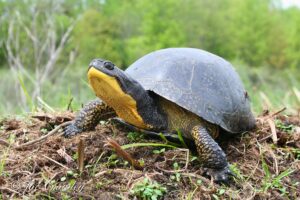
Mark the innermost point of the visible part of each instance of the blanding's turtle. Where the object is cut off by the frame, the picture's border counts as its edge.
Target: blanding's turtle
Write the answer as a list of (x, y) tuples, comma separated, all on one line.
[(175, 89)]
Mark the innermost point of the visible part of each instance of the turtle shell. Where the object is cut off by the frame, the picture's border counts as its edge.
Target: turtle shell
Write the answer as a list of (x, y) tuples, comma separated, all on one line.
[(198, 81)]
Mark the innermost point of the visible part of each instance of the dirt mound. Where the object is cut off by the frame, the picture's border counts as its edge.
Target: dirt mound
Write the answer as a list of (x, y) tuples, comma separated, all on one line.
[(265, 161)]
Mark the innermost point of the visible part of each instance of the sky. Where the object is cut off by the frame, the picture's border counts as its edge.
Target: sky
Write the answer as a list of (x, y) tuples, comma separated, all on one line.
[(289, 3)]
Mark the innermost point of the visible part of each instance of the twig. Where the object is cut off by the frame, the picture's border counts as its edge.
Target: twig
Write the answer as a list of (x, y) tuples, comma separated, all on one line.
[(146, 175), (187, 158), (80, 152), (43, 137), (263, 139), (198, 177), (4, 143), (100, 173), (56, 162), (114, 170), (273, 130), (237, 150), (169, 171), (122, 153), (63, 154), (279, 111), (275, 161), (252, 196), (264, 118), (178, 170), (10, 190)]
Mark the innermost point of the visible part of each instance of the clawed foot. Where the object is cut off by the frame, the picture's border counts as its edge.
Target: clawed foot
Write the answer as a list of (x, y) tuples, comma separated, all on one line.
[(71, 130), (220, 175)]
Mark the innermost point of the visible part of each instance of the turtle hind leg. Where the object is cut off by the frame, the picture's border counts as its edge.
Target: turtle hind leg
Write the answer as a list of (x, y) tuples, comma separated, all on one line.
[(211, 155), (88, 117)]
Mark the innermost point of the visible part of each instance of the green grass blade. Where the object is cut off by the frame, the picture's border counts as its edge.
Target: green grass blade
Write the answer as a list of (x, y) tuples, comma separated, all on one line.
[(167, 141), (127, 146), (297, 93), (181, 138), (283, 174), (28, 98), (45, 105), (266, 168)]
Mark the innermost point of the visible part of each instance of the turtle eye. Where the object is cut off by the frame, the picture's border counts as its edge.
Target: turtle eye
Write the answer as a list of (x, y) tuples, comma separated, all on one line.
[(109, 65)]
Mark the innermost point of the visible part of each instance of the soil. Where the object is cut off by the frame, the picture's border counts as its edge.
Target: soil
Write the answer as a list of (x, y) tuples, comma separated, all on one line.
[(266, 162)]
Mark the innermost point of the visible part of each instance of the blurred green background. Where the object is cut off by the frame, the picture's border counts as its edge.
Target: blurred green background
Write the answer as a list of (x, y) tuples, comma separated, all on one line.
[(45, 46)]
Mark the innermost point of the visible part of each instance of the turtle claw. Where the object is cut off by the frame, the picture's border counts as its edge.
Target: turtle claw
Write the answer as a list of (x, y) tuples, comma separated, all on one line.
[(71, 130), (220, 175)]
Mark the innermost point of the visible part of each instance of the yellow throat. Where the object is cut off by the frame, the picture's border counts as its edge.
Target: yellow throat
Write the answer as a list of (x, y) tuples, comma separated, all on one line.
[(107, 88)]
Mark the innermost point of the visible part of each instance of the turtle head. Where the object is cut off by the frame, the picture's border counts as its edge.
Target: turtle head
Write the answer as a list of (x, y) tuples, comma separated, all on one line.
[(118, 90), (108, 81), (104, 70)]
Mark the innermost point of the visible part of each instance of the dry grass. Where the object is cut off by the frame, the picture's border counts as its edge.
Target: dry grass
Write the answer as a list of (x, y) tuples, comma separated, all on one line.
[(266, 162)]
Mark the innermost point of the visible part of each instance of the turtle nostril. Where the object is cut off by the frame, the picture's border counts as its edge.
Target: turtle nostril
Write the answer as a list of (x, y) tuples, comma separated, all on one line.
[(93, 63), (109, 65)]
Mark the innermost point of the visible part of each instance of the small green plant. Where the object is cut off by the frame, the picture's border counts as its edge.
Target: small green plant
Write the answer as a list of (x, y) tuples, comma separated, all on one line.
[(65, 196), (95, 166), (142, 162), (112, 160), (284, 127), (271, 181), (193, 158), (220, 192), (2, 165), (44, 130), (296, 152), (235, 170), (71, 173), (11, 139), (199, 182), (148, 190), (3, 158), (104, 182), (134, 136), (75, 156), (159, 151), (177, 175)]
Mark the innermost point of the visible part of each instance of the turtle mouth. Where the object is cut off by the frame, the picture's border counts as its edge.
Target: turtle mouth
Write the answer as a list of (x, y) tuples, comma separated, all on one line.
[(105, 85), (110, 90)]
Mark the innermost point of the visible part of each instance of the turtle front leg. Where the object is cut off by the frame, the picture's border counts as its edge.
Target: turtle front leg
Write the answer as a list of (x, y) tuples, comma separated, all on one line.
[(211, 154), (88, 117)]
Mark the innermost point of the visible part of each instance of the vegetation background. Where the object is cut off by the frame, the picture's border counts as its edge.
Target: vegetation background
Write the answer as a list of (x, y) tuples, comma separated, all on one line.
[(45, 49), (45, 46)]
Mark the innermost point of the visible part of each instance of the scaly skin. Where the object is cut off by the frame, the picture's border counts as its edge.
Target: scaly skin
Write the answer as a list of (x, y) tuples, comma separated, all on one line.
[(88, 117), (211, 154)]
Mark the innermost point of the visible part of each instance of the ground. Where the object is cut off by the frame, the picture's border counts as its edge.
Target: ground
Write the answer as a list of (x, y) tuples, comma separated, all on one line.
[(266, 162)]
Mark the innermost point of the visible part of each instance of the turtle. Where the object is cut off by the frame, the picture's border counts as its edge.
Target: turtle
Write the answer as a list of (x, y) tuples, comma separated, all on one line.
[(169, 90)]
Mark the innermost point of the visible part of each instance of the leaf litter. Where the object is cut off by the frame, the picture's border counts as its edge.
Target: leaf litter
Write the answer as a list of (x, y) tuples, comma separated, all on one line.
[(266, 162)]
